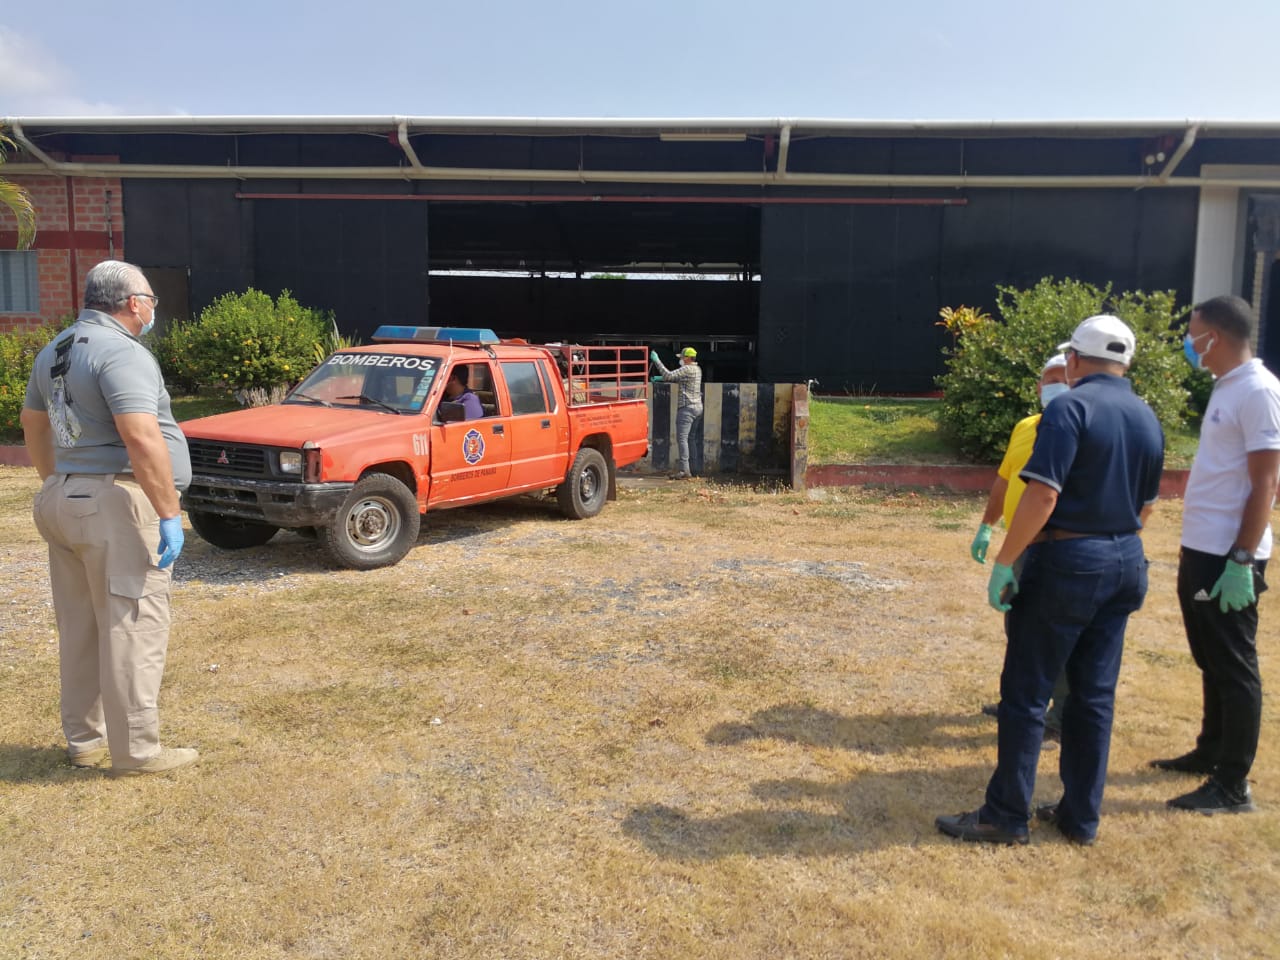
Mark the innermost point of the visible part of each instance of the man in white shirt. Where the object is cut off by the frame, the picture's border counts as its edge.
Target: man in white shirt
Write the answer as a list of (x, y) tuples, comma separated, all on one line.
[(1226, 540)]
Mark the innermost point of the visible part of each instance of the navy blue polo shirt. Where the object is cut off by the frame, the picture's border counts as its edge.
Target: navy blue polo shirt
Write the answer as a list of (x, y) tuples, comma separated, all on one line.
[(1100, 446)]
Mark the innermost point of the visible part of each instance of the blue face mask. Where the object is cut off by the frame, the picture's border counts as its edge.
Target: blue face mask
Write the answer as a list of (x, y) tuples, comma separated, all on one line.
[(146, 327), (1189, 350), (1051, 390)]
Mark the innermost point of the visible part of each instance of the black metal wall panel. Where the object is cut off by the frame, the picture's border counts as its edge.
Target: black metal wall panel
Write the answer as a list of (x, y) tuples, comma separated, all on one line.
[(850, 294), (365, 261), (198, 226)]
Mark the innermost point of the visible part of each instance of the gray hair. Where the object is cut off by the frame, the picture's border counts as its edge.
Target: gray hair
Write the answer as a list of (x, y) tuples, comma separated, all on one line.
[(110, 283)]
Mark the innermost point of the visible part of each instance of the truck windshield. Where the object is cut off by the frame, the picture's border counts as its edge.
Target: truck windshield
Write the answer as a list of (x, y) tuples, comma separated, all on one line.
[(394, 383)]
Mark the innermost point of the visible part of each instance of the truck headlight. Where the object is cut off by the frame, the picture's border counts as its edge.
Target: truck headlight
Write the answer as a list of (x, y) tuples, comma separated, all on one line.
[(291, 462)]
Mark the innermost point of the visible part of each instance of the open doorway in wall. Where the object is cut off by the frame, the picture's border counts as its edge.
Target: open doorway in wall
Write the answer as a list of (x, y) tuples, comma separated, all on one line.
[(670, 272)]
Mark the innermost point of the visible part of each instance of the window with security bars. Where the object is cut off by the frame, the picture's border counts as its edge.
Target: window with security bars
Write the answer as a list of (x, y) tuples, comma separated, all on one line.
[(19, 281)]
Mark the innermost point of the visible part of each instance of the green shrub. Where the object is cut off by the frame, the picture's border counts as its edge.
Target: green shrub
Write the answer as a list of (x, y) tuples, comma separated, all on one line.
[(993, 366), (18, 351), (244, 344), (176, 357)]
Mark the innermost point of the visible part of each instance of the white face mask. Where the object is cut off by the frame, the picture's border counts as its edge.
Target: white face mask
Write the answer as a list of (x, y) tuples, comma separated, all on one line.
[(1051, 390)]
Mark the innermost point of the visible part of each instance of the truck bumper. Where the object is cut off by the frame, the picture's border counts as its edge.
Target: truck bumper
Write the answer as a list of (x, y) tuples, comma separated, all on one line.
[(267, 501)]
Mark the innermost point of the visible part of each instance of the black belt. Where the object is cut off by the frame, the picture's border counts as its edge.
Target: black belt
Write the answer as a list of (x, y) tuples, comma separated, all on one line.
[(1050, 534)]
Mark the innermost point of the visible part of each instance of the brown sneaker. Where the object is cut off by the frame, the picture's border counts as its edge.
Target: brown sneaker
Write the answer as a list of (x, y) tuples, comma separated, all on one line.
[(170, 758), (88, 758)]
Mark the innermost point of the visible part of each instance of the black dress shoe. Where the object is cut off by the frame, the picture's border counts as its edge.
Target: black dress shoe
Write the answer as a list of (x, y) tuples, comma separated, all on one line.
[(1048, 813), (1214, 796), (1187, 763), (967, 826)]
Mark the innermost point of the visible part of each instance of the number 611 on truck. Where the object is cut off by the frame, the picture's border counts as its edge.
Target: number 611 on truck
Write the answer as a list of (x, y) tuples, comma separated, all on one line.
[(424, 418)]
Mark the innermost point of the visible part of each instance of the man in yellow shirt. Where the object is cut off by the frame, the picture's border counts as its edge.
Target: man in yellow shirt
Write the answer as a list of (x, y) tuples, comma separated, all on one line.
[(1003, 501)]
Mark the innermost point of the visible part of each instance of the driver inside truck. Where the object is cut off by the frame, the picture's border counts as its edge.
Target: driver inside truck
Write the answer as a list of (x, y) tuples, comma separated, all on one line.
[(456, 390)]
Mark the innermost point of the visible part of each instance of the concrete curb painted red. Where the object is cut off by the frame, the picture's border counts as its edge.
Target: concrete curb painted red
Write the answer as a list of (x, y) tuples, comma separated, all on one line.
[(954, 477), (14, 456)]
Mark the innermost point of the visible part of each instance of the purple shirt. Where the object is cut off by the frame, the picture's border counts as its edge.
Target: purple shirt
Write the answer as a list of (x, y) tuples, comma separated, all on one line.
[(471, 404)]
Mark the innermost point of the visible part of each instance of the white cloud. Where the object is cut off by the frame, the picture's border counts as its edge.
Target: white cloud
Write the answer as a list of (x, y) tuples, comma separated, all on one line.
[(33, 83)]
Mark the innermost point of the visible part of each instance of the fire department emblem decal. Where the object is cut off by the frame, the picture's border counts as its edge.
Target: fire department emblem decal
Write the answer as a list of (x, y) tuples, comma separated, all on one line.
[(472, 447)]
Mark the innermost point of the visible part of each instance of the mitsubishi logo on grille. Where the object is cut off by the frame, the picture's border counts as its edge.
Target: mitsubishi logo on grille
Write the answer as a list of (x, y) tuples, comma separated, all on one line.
[(222, 457)]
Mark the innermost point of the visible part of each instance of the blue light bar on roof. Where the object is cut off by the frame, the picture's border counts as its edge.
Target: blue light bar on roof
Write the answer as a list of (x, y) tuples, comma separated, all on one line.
[(397, 334)]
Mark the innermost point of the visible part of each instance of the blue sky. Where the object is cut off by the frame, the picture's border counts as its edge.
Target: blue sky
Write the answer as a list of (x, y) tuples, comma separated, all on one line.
[(914, 59)]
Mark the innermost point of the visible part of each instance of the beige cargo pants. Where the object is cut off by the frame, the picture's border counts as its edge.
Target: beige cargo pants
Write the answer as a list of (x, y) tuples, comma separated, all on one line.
[(112, 609)]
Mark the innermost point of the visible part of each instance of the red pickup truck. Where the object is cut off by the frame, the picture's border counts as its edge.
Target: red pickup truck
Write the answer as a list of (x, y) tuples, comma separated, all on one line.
[(368, 442)]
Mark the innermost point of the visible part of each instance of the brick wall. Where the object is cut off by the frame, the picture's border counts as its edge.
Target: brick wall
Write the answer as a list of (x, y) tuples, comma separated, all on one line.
[(77, 218)]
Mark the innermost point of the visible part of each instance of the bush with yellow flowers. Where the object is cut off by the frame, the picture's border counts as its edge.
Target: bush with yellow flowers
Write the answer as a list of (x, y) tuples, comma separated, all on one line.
[(994, 363), (244, 343)]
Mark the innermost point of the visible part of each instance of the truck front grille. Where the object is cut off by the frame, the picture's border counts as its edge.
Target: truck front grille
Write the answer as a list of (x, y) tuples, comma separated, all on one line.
[(227, 459)]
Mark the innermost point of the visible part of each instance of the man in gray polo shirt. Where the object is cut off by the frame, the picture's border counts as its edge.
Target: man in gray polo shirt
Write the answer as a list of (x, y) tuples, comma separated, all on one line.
[(100, 431)]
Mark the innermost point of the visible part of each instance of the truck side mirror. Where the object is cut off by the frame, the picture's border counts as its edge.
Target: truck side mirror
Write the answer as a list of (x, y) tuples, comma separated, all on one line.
[(450, 412)]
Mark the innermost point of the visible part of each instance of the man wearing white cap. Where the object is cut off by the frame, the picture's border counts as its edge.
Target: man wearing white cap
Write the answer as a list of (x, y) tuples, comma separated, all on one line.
[(1003, 502), (1226, 540), (1092, 479)]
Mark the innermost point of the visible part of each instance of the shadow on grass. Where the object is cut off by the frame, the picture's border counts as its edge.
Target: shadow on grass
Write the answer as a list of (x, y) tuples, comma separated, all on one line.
[(886, 733), (867, 817), (291, 552), (21, 763), (876, 809)]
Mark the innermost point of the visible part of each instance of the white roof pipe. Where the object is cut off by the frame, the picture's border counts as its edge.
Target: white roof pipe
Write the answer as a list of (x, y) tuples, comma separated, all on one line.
[(784, 147), (644, 125), (418, 171), (31, 148), (940, 181), (1188, 139), (402, 137)]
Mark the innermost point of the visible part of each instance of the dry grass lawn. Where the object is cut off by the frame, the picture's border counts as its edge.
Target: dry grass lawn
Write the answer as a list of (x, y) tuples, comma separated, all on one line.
[(715, 722)]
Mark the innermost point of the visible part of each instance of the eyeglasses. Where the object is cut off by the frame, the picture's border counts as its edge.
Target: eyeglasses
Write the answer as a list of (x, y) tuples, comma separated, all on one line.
[(155, 301)]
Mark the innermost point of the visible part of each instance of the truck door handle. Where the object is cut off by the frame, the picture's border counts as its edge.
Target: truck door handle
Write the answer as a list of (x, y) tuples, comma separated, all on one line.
[(498, 429), (546, 424)]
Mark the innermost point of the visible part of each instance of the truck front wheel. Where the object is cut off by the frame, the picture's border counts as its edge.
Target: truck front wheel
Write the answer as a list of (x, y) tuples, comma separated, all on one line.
[(230, 533), (586, 486), (376, 525)]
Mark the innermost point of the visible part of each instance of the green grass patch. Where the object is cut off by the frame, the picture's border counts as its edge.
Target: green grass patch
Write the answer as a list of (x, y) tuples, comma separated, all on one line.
[(876, 430), (191, 406), (845, 430)]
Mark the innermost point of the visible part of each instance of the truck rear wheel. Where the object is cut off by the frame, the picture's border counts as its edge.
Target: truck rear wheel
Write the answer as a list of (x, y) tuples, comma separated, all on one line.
[(376, 525), (230, 533), (586, 486)]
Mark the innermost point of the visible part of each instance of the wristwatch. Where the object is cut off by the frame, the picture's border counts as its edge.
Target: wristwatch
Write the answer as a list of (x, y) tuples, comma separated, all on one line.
[(1241, 556)]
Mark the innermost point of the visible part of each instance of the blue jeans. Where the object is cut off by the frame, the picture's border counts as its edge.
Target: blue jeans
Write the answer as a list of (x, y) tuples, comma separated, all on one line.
[(685, 416), (1074, 600)]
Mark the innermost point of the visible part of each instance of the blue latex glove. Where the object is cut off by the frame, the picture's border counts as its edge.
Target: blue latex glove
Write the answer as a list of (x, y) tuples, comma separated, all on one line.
[(653, 356), (1234, 588), (171, 540), (1001, 588), (978, 549)]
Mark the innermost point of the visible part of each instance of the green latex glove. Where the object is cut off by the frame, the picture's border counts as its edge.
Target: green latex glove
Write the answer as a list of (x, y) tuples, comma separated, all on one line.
[(657, 378), (1234, 588), (978, 549), (653, 356), (1001, 588)]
